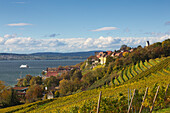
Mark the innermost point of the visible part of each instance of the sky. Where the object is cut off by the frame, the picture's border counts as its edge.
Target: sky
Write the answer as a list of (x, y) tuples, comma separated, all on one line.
[(28, 26)]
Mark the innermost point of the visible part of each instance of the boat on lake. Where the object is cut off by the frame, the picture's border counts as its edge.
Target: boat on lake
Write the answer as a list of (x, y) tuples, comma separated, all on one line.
[(24, 66)]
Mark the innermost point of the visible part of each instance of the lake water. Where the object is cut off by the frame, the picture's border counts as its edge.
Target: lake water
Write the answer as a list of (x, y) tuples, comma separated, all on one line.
[(10, 71)]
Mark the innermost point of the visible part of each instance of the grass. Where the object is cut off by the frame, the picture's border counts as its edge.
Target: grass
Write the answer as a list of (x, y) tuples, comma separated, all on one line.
[(166, 110)]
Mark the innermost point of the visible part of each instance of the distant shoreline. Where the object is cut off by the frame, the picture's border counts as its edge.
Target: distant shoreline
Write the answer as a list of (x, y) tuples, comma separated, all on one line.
[(46, 56), (42, 59)]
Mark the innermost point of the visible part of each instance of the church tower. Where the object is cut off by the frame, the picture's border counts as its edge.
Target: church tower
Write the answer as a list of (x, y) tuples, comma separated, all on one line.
[(147, 43)]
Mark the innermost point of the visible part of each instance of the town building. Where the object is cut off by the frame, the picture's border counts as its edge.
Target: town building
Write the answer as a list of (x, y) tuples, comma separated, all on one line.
[(147, 43), (21, 91), (50, 95), (58, 71)]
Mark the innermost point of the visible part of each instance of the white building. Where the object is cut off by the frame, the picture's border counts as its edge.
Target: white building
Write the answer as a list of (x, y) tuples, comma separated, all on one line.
[(147, 43)]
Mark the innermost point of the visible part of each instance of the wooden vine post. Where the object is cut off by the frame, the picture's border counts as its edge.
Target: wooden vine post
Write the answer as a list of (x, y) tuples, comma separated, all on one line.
[(154, 100), (166, 92), (98, 105), (143, 100), (131, 101)]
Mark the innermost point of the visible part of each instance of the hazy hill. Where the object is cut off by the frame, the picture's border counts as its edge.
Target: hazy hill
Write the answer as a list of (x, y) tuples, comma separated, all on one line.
[(46, 55)]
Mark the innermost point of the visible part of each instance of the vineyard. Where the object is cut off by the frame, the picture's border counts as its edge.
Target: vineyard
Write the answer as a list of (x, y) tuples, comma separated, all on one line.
[(140, 70), (137, 76)]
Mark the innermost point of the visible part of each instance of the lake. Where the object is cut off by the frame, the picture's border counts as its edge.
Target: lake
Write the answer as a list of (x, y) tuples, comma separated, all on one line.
[(10, 69)]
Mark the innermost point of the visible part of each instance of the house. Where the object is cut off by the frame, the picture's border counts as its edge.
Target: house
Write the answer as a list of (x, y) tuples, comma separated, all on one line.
[(55, 71), (52, 74), (109, 52), (120, 54), (92, 60), (20, 90), (131, 50), (113, 54), (101, 54), (58, 71), (50, 95), (103, 59)]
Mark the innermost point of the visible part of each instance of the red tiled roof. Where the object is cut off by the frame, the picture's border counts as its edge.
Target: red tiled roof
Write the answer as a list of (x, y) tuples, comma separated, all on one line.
[(109, 52), (52, 74), (21, 93), (20, 88)]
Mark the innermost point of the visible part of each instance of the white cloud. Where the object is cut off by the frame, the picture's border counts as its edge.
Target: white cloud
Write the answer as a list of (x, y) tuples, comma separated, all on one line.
[(13, 43), (10, 36), (1, 40), (19, 24), (105, 29)]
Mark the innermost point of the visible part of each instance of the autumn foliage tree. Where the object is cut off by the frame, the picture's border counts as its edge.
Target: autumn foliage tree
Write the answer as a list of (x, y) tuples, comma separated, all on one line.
[(8, 96), (77, 74), (36, 80), (65, 86), (34, 93), (51, 82)]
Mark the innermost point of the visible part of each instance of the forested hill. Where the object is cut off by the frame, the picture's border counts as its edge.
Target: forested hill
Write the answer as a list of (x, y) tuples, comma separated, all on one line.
[(46, 55)]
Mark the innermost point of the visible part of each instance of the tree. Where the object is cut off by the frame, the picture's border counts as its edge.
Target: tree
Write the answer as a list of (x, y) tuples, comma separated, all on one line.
[(36, 80), (123, 47), (76, 84), (8, 97), (83, 65), (166, 43), (158, 44), (77, 74), (110, 68), (139, 46), (57, 94), (108, 60), (28, 78), (60, 66), (166, 47), (24, 82), (98, 73), (65, 86), (88, 78), (65, 75), (39, 80), (34, 93), (71, 72), (51, 82), (43, 73), (125, 54), (2, 86), (33, 81), (20, 82)]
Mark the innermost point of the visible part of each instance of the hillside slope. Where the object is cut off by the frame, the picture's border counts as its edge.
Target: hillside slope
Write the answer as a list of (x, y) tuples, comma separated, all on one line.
[(158, 73)]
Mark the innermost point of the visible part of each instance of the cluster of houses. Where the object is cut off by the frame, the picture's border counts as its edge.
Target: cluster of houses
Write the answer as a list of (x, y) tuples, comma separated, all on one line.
[(58, 71), (21, 91), (101, 57)]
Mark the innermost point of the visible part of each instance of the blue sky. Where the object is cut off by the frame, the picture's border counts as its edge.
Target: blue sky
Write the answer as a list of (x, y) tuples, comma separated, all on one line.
[(81, 25)]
